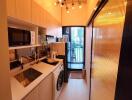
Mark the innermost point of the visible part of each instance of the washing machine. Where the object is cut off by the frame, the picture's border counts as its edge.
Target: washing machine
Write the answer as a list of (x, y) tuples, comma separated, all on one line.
[(58, 80)]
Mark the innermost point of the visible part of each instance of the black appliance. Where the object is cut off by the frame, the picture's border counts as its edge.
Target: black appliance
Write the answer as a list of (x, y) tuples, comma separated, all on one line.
[(18, 37), (65, 62)]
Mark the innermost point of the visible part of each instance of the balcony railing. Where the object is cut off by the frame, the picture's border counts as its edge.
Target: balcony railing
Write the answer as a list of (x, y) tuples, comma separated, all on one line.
[(75, 54)]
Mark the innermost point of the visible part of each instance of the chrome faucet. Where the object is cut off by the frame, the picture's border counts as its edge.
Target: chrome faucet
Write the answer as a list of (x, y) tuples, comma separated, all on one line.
[(21, 63)]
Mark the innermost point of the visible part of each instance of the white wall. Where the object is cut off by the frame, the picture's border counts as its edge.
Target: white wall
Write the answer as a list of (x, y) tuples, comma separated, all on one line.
[(5, 90), (88, 53)]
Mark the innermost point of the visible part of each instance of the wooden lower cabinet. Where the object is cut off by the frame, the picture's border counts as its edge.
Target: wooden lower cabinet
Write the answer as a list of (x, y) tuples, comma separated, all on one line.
[(44, 91)]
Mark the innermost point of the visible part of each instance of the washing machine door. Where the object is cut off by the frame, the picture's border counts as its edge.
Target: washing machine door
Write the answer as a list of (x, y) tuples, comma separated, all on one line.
[(60, 80)]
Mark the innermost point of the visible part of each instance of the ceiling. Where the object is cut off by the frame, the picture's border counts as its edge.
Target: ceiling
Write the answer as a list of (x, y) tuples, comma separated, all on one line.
[(70, 1), (113, 12)]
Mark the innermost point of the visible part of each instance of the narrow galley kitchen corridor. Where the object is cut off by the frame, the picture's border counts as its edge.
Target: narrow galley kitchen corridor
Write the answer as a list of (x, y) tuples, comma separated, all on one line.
[(75, 89)]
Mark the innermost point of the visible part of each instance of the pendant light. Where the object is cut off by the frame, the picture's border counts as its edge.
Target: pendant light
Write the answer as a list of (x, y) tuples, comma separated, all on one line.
[(67, 4)]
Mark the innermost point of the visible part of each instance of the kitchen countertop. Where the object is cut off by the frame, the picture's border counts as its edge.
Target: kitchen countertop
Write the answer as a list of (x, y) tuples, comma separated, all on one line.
[(19, 91)]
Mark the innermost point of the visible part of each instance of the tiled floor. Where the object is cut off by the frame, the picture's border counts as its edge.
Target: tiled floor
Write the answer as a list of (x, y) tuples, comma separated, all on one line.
[(75, 89)]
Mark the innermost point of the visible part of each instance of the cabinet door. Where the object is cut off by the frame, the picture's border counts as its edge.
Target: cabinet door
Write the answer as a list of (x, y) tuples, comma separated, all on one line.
[(35, 13), (49, 24), (23, 10), (48, 20), (11, 6), (42, 17), (33, 95), (46, 89)]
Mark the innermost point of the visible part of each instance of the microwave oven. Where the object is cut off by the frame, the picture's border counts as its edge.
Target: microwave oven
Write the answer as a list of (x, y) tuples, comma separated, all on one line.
[(18, 37)]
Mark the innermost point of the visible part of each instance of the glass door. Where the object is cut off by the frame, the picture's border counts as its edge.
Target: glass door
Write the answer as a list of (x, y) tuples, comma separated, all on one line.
[(75, 48), (107, 37)]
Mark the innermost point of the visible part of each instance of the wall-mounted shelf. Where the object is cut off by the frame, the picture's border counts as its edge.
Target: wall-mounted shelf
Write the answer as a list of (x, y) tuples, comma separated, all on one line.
[(21, 47)]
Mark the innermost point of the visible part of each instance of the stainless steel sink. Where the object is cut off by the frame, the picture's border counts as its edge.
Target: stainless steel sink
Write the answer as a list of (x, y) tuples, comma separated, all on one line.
[(27, 76)]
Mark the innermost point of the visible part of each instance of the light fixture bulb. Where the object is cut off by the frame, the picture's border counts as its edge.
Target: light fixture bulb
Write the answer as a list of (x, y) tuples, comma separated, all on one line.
[(73, 7), (55, 3), (68, 11), (109, 13), (95, 7), (80, 6)]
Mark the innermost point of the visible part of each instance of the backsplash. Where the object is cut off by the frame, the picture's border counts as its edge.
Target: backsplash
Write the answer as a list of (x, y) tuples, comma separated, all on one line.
[(11, 55), (26, 55)]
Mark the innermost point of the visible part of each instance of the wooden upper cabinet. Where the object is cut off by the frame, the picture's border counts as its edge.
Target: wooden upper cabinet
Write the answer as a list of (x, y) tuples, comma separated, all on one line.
[(38, 14), (48, 20), (11, 8), (35, 17), (30, 11), (43, 18), (53, 26), (23, 10)]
